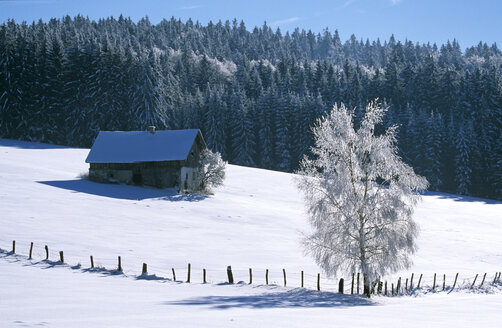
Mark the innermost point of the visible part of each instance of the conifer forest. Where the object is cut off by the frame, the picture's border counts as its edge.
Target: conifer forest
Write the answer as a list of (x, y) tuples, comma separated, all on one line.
[(254, 92)]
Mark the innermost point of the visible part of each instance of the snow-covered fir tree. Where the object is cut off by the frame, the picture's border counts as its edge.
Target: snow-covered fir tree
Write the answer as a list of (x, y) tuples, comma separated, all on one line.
[(463, 169), (65, 80)]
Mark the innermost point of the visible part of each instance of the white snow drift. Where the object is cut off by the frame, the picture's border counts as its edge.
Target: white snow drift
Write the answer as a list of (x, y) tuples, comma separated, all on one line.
[(254, 221)]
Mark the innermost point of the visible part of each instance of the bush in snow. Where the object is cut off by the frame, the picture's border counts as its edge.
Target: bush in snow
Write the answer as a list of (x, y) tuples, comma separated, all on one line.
[(211, 171), (359, 196)]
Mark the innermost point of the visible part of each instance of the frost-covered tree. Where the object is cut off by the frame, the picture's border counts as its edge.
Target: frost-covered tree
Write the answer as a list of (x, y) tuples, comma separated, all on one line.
[(211, 171), (359, 196)]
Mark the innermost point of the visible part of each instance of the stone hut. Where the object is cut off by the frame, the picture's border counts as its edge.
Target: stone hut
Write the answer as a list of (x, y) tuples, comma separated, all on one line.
[(160, 159)]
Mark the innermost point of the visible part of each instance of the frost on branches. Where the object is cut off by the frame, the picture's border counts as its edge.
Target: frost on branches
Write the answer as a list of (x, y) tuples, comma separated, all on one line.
[(359, 196), (211, 171)]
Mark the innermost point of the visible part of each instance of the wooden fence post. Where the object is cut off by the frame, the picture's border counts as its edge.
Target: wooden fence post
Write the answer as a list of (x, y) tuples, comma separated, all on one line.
[(92, 262), (340, 286), (434, 283), (266, 276), (474, 282), (392, 289), (318, 281), (419, 280), (13, 246), (444, 281), (398, 287), (352, 285), (411, 281), (455, 282), (204, 276), (174, 274), (385, 288), (380, 286), (230, 275), (46, 252), (284, 275), (188, 273), (31, 250), (302, 279), (483, 281), (61, 257), (358, 283), (145, 269), (119, 267), (406, 286), (250, 276)]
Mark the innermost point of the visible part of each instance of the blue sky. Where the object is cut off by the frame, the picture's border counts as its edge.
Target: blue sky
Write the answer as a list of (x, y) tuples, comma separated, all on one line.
[(469, 21)]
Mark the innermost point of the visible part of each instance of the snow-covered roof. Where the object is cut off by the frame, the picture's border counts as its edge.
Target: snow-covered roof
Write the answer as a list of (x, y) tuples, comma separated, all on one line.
[(141, 146)]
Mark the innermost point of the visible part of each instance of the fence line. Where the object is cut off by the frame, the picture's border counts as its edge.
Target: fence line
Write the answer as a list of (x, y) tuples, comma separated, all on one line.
[(297, 279)]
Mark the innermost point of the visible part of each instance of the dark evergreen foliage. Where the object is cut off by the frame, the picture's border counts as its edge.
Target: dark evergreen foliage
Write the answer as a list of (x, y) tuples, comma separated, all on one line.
[(254, 94)]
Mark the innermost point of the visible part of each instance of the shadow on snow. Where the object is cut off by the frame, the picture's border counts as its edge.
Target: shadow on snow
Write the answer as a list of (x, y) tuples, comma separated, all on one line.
[(28, 144), (146, 276), (461, 198), (120, 191), (295, 298)]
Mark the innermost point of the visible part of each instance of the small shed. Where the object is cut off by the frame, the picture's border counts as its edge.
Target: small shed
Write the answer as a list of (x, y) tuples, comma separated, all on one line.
[(160, 159)]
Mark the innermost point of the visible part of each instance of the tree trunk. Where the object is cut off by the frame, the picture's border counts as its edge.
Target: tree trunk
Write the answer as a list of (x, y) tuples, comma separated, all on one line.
[(367, 289), (362, 257)]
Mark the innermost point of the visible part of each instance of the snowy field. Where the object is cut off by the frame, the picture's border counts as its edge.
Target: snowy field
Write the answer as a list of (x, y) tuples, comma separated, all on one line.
[(254, 221)]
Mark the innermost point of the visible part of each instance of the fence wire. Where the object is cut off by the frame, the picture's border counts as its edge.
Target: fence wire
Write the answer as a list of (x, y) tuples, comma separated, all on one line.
[(409, 284)]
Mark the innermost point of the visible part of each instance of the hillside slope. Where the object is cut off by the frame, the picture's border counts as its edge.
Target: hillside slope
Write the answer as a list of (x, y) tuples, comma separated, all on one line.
[(254, 221)]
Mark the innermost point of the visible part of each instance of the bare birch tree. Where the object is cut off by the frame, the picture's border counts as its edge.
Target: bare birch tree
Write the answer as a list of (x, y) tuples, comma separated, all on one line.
[(359, 196)]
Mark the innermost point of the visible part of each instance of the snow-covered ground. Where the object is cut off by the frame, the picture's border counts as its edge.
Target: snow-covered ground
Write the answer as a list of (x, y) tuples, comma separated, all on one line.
[(254, 221)]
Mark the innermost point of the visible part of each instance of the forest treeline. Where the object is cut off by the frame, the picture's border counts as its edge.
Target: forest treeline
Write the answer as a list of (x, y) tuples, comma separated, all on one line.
[(253, 93)]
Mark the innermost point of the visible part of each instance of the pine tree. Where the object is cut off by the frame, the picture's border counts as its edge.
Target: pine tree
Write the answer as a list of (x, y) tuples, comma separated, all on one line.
[(242, 132), (463, 159), (266, 132), (214, 118), (56, 124), (432, 148), (149, 102), (10, 77), (282, 147)]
